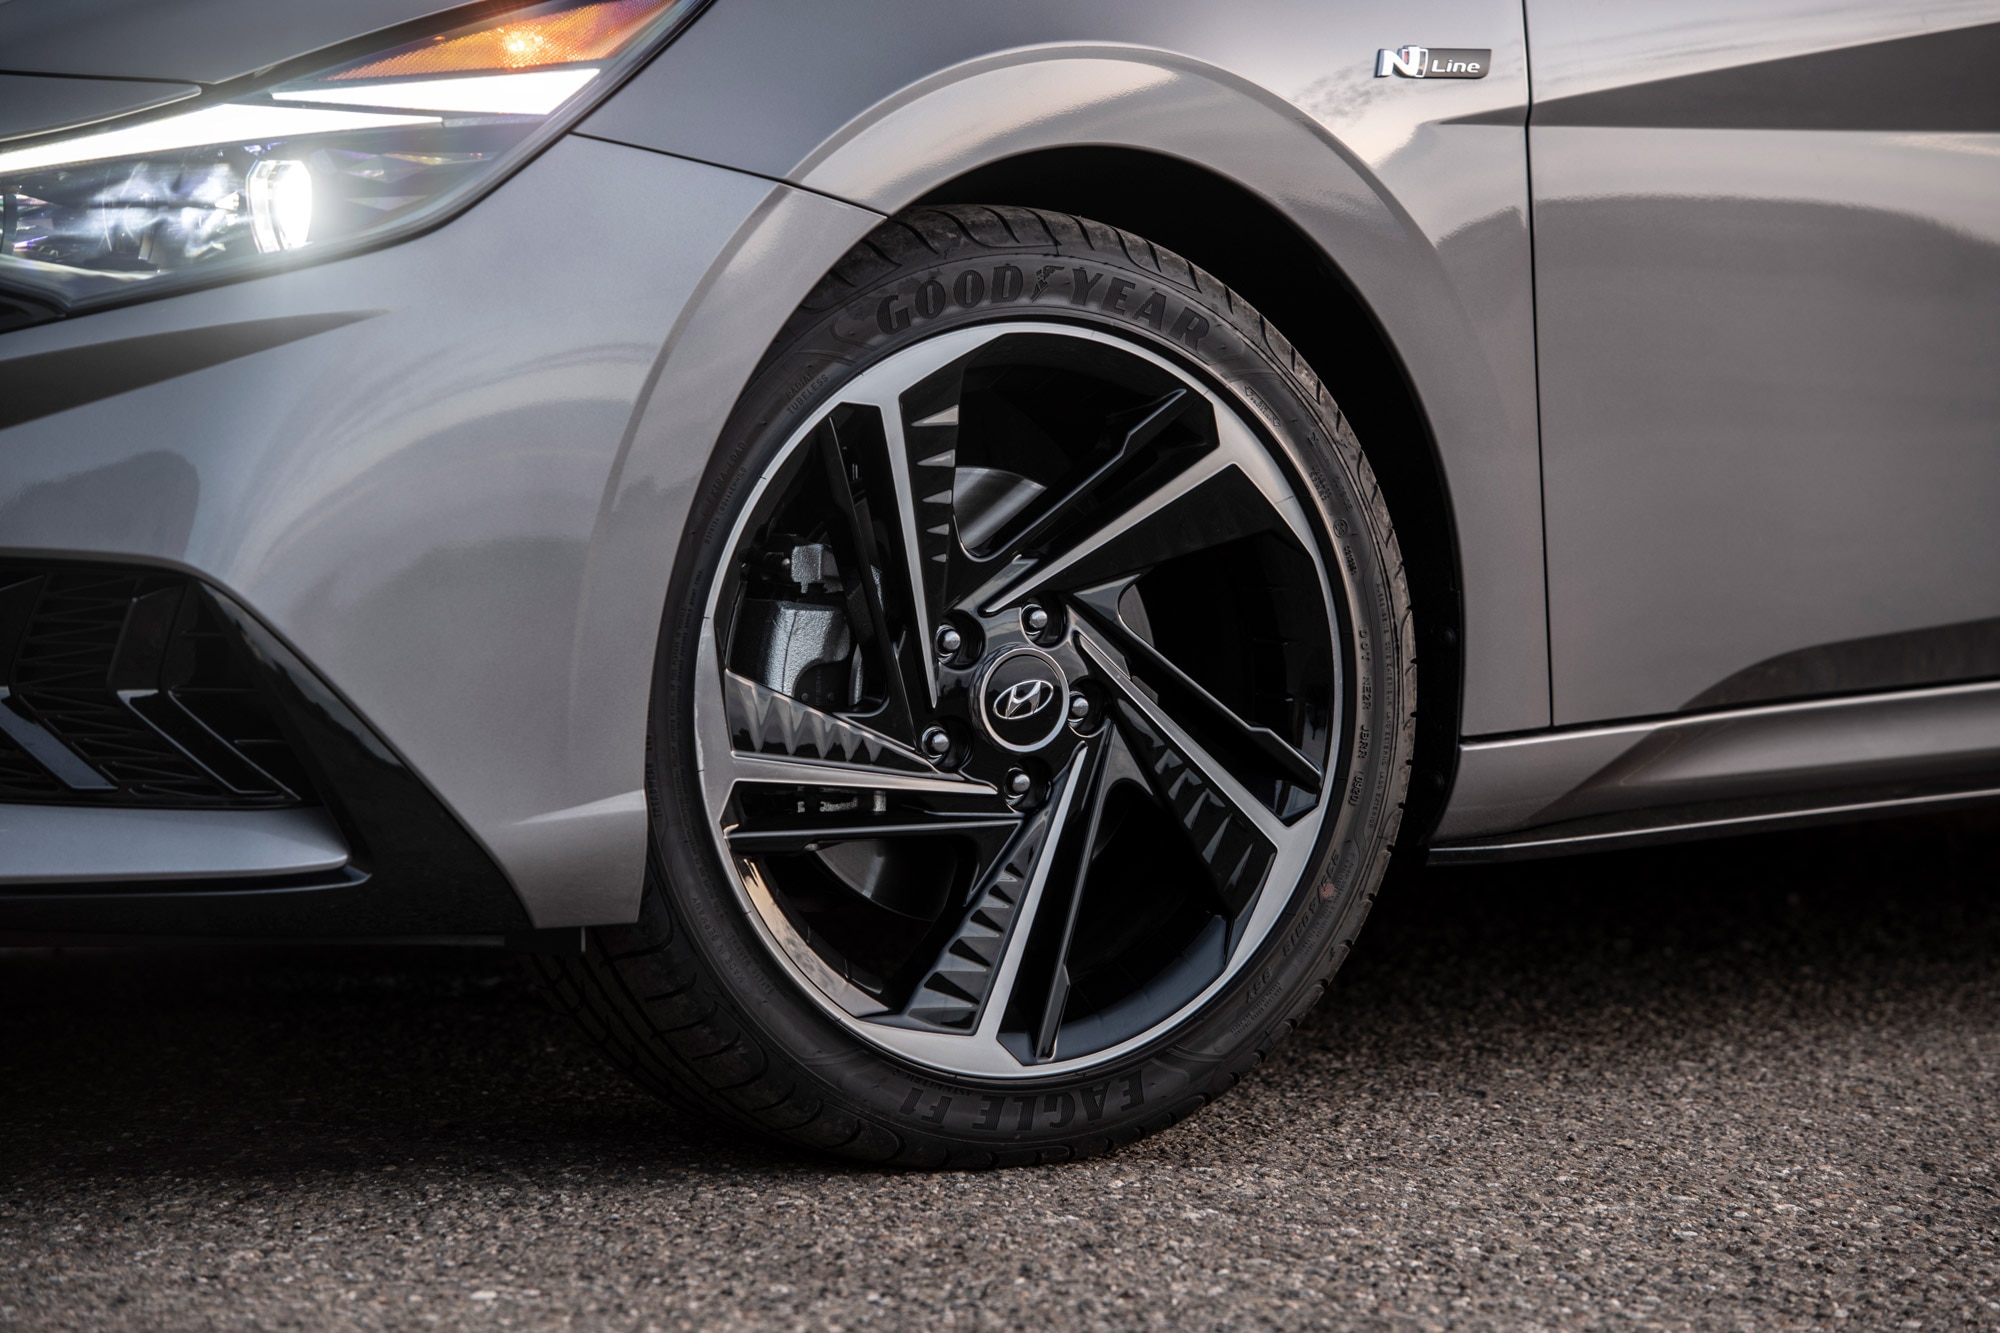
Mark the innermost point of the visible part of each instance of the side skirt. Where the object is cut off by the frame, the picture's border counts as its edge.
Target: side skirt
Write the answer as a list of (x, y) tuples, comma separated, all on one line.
[(1737, 770), (1687, 824)]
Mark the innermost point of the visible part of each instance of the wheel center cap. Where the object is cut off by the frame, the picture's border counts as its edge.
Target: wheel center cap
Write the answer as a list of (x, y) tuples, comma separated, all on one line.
[(1023, 699)]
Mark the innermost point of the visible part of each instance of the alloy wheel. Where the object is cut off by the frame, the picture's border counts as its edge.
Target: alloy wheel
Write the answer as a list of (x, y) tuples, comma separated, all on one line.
[(1017, 697)]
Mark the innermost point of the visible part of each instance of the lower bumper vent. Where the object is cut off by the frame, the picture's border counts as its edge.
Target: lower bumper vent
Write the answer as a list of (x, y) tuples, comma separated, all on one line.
[(127, 687)]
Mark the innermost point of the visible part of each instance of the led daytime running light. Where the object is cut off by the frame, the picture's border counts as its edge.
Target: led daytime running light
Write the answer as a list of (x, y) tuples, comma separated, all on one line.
[(534, 94), (231, 122)]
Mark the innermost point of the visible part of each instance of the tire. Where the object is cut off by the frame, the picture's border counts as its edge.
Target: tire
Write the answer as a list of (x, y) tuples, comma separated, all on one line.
[(708, 1000)]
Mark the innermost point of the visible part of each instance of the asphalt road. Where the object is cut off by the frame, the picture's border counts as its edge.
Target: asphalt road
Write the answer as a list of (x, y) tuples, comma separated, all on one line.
[(1749, 1085)]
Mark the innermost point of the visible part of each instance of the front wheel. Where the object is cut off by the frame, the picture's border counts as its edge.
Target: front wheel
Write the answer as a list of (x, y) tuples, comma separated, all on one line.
[(1033, 715)]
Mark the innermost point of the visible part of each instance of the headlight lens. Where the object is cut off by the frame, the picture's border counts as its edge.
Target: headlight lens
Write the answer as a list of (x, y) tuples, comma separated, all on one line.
[(364, 149)]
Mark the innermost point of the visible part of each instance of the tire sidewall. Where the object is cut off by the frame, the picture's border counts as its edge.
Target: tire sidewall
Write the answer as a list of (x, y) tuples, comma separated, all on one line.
[(1189, 319)]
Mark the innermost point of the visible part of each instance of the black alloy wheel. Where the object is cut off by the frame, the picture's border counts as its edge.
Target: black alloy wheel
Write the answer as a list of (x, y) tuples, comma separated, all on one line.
[(1034, 709)]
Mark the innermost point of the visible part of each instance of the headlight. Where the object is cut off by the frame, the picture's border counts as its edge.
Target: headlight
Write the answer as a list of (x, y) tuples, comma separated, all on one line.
[(359, 148)]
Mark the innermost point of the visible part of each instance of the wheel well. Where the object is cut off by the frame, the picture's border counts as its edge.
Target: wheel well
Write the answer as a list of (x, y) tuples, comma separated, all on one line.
[(1242, 240)]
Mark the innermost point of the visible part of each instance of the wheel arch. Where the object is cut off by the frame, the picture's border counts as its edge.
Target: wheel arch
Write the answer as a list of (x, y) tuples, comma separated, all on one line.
[(1431, 290)]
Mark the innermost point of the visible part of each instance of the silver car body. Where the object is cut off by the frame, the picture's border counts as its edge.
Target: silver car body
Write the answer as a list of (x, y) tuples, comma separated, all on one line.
[(1699, 323)]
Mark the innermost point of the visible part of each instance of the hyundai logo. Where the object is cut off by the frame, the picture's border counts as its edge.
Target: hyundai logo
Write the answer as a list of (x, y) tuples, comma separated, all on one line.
[(1016, 689), (1024, 698)]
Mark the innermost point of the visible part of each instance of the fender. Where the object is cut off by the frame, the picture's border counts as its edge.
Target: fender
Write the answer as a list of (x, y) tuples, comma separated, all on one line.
[(1420, 203)]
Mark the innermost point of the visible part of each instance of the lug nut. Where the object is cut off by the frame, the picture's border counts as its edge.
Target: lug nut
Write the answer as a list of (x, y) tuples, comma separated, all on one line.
[(1079, 707), (1035, 619), (1018, 782), (949, 640), (937, 741)]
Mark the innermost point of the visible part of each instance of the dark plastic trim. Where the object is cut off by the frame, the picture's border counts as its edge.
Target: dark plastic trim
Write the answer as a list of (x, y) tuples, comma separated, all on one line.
[(1648, 828), (45, 383), (414, 870)]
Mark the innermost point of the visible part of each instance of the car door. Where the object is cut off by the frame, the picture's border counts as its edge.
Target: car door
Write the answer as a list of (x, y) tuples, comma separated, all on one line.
[(1767, 252)]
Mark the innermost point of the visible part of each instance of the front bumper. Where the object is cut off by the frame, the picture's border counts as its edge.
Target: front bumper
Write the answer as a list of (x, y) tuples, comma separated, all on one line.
[(168, 766), (448, 476)]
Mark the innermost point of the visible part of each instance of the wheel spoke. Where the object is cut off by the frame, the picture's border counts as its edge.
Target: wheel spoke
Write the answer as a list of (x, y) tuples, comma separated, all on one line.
[(764, 721), (775, 738), (1177, 496), (968, 987), (1043, 1010), (857, 839), (807, 835), (923, 458), (1230, 491), (1134, 431), (861, 777), (920, 435), (862, 488), (1244, 742), (1233, 833), (765, 736)]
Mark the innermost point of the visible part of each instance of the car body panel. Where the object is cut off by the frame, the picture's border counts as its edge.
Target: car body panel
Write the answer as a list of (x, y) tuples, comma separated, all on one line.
[(1767, 250), (1416, 191), (33, 104)]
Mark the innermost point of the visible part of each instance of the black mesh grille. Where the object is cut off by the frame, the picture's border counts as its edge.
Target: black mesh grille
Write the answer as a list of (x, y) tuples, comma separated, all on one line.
[(127, 687)]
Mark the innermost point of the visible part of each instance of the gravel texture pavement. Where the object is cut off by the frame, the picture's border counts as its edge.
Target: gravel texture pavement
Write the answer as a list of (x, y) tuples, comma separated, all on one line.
[(1746, 1085)]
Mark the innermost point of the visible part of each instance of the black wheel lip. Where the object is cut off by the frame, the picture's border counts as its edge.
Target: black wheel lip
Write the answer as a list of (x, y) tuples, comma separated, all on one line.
[(1335, 816)]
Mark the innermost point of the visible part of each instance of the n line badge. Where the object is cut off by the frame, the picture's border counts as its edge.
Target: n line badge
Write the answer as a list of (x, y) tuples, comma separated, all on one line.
[(1434, 62)]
